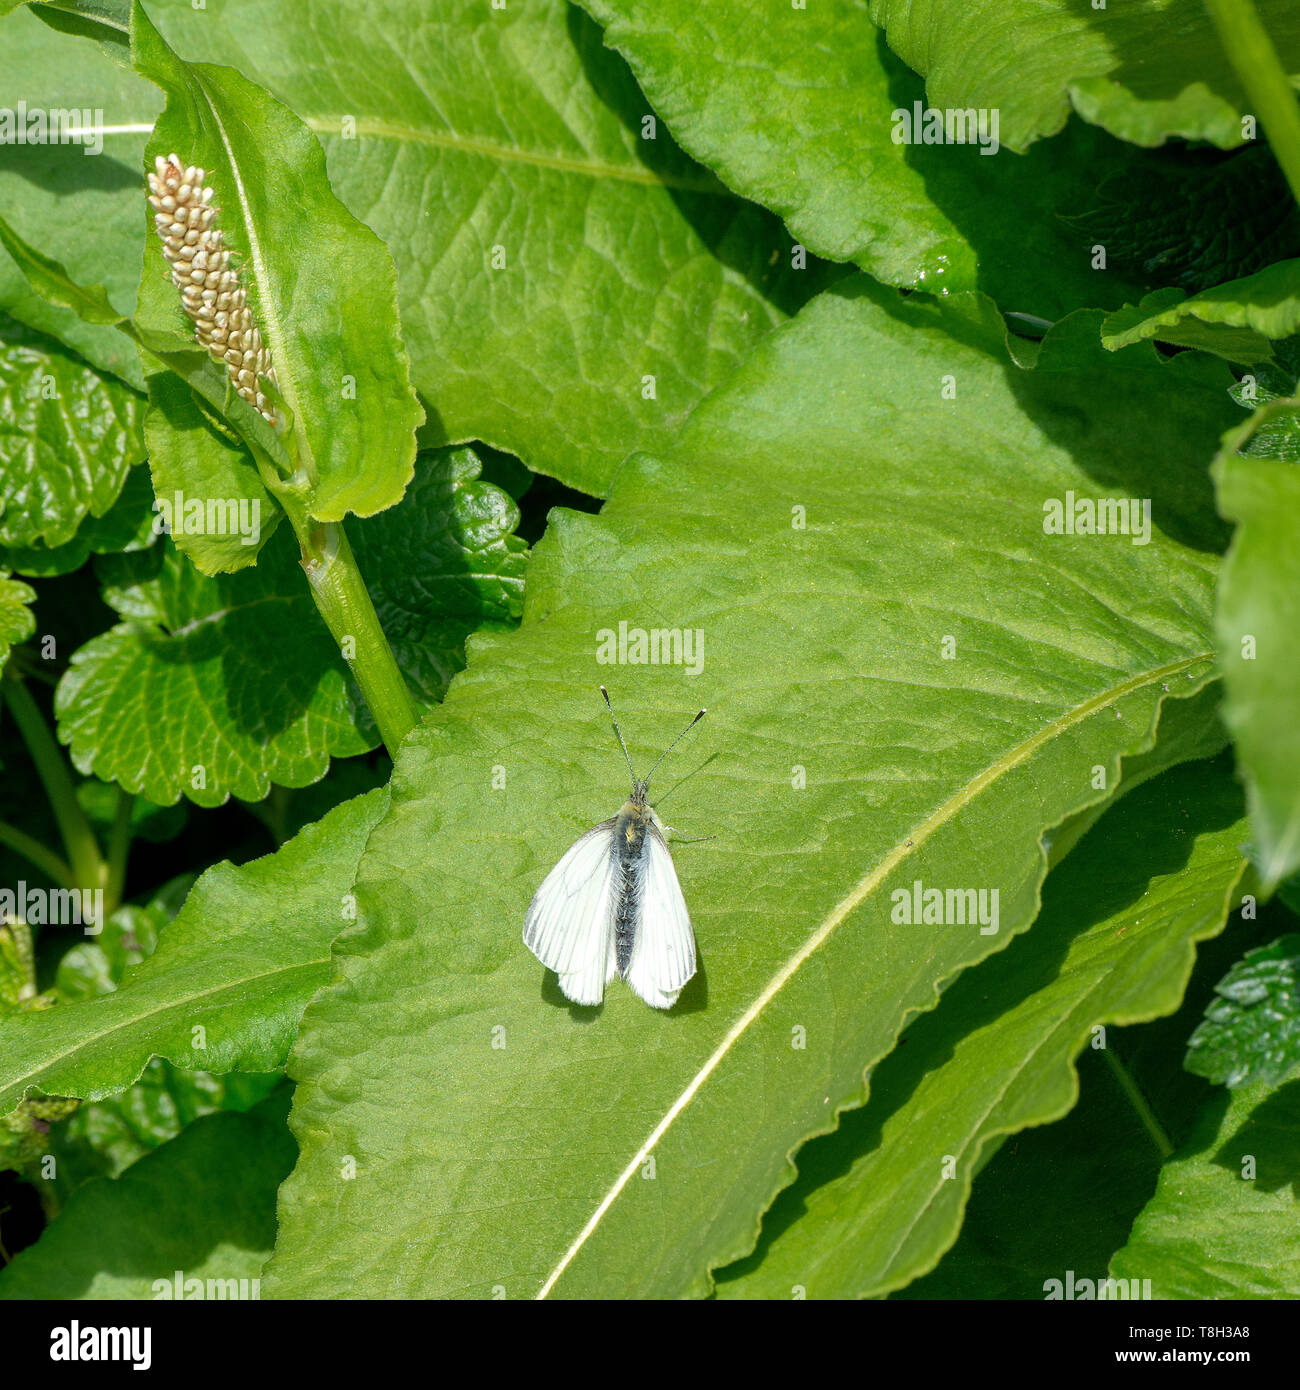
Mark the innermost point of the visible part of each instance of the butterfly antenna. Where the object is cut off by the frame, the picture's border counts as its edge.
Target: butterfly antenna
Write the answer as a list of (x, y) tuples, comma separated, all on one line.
[(674, 744), (619, 732)]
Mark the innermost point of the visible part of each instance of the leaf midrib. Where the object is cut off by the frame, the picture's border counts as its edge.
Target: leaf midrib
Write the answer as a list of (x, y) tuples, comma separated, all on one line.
[(844, 908), (30, 1077)]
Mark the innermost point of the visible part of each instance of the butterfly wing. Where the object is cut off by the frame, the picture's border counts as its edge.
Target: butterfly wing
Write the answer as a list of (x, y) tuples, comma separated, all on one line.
[(570, 921), (663, 950)]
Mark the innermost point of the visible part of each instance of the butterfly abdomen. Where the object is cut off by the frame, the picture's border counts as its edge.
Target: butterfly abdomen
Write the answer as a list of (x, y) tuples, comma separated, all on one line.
[(629, 849)]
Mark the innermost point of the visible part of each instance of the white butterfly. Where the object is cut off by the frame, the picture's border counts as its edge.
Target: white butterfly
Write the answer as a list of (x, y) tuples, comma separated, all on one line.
[(613, 906)]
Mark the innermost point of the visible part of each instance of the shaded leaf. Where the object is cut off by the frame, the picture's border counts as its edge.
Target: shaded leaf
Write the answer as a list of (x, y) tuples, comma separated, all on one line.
[(1222, 1221), (203, 1204)]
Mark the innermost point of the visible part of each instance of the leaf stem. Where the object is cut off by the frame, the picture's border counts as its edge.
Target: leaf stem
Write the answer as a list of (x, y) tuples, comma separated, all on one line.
[(36, 853), (1139, 1103), (87, 868), (1254, 59), (119, 844), (344, 603)]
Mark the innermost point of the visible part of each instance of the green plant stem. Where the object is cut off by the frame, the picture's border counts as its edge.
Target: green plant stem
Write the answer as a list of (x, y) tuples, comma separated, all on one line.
[(1258, 68), (344, 603), (88, 869), (36, 853), (118, 844), (1139, 1103)]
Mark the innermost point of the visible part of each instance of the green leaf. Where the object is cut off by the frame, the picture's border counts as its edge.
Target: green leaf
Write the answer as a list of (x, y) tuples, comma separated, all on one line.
[(1141, 73), (1113, 944), (71, 438), (203, 1204), (103, 1138), (126, 526), (82, 208), (239, 677), (1251, 1033), (1222, 1221), (825, 157), (17, 622), (321, 285), (239, 963), (640, 264), (1257, 619), (824, 522), (1235, 320)]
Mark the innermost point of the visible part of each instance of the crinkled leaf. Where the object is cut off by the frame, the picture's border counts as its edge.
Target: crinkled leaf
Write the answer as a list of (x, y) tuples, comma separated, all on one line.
[(825, 521), (1251, 1033), (71, 437), (17, 622), (1257, 620), (1148, 71), (203, 1204), (239, 677), (1222, 1223), (239, 963), (127, 525), (1113, 944), (321, 285)]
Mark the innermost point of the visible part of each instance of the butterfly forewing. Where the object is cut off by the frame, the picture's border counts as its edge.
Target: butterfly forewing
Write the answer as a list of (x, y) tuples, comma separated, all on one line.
[(570, 921)]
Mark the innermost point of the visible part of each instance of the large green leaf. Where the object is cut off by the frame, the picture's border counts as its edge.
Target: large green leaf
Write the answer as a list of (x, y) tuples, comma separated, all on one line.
[(203, 1204), (1222, 1223), (321, 285), (1257, 621), (824, 155), (71, 437), (1114, 944), (213, 688), (226, 987), (825, 522), (1146, 71), (623, 259)]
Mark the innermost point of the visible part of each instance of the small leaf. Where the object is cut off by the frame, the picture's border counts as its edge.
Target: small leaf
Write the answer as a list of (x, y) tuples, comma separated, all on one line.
[(1257, 620), (1235, 320), (1251, 1033), (71, 438), (17, 623)]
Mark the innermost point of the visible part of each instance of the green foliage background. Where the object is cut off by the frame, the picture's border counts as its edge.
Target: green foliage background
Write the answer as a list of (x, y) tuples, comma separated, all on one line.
[(640, 313)]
